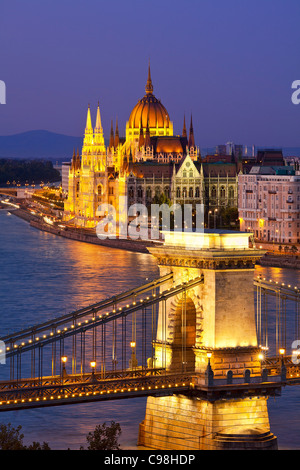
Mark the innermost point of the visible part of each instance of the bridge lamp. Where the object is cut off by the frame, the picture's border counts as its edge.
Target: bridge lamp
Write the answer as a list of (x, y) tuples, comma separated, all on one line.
[(93, 366), (64, 360), (261, 356), (133, 361), (281, 351)]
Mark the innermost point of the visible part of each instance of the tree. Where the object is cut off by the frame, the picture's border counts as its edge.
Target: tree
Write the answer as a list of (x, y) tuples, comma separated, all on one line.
[(12, 439), (38, 446), (104, 437)]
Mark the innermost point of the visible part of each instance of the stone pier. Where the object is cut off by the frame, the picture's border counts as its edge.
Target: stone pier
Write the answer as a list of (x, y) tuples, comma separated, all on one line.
[(209, 327)]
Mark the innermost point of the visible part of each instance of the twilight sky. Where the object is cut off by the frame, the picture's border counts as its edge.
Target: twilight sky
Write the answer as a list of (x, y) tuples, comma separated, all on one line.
[(230, 63)]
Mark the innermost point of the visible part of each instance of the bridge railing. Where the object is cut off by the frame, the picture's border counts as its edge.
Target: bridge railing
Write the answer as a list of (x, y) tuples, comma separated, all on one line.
[(115, 339)]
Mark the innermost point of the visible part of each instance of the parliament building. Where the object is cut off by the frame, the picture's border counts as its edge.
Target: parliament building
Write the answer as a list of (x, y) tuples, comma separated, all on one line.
[(149, 165)]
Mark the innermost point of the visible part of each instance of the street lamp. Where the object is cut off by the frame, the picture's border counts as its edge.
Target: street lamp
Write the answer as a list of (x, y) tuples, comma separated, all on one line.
[(208, 217), (64, 372), (93, 366), (133, 361)]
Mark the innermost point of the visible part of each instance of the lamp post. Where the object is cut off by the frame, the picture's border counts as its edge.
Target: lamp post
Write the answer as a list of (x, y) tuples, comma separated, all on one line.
[(282, 365), (133, 361), (64, 372), (208, 217), (93, 366)]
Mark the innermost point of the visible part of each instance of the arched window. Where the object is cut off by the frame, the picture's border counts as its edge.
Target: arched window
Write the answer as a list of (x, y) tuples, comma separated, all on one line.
[(178, 192), (77, 186), (222, 192), (197, 192), (191, 192), (213, 192), (148, 193), (184, 193)]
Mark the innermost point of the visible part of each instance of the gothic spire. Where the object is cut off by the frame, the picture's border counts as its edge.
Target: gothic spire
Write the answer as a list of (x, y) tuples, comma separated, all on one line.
[(78, 162), (88, 125), (149, 86), (111, 140), (147, 135), (141, 136), (184, 134), (117, 140), (191, 135), (73, 164), (98, 126)]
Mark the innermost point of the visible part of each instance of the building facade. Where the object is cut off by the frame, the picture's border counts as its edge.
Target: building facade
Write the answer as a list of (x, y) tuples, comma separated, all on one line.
[(149, 162), (269, 204)]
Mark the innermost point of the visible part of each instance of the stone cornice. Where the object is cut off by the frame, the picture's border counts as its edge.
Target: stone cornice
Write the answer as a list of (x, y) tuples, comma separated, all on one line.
[(214, 259)]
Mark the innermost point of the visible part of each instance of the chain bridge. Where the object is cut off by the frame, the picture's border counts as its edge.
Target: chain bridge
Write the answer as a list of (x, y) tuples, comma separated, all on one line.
[(204, 342)]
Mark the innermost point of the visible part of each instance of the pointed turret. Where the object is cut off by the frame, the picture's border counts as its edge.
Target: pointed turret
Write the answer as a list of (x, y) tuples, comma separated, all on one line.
[(191, 135), (111, 139), (98, 126), (141, 136), (117, 139), (78, 161), (73, 164), (99, 138), (147, 136), (89, 133), (88, 125), (149, 86), (184, 134)]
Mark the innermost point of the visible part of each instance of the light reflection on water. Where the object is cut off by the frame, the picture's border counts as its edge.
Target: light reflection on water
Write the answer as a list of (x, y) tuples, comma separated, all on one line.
[(43, 276)]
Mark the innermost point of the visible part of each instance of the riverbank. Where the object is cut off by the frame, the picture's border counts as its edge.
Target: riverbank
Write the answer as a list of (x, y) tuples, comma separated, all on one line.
[(270, 259), (280, 261), (82, 235)]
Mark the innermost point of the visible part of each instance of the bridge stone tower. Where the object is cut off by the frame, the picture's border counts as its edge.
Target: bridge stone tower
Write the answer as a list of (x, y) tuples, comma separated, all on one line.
[(209, 332)]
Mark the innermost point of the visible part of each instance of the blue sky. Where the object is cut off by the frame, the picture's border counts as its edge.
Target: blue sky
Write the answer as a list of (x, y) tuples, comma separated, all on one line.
[(230, 63)]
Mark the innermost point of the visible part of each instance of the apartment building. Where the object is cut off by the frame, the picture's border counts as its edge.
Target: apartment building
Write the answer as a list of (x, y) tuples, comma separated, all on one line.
[(269, 203)]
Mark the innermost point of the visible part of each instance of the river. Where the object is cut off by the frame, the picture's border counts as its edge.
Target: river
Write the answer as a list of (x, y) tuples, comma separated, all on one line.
[(43, 276)]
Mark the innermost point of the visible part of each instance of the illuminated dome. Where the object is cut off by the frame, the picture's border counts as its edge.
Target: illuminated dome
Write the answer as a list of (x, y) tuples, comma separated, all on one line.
[(149, 111)]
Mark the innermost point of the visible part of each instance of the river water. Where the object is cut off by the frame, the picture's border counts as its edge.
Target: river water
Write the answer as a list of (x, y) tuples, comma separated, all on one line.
[(43, 276)]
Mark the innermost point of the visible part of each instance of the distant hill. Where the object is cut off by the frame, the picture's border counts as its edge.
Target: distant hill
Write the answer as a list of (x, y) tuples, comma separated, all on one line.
[(39, 144)]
